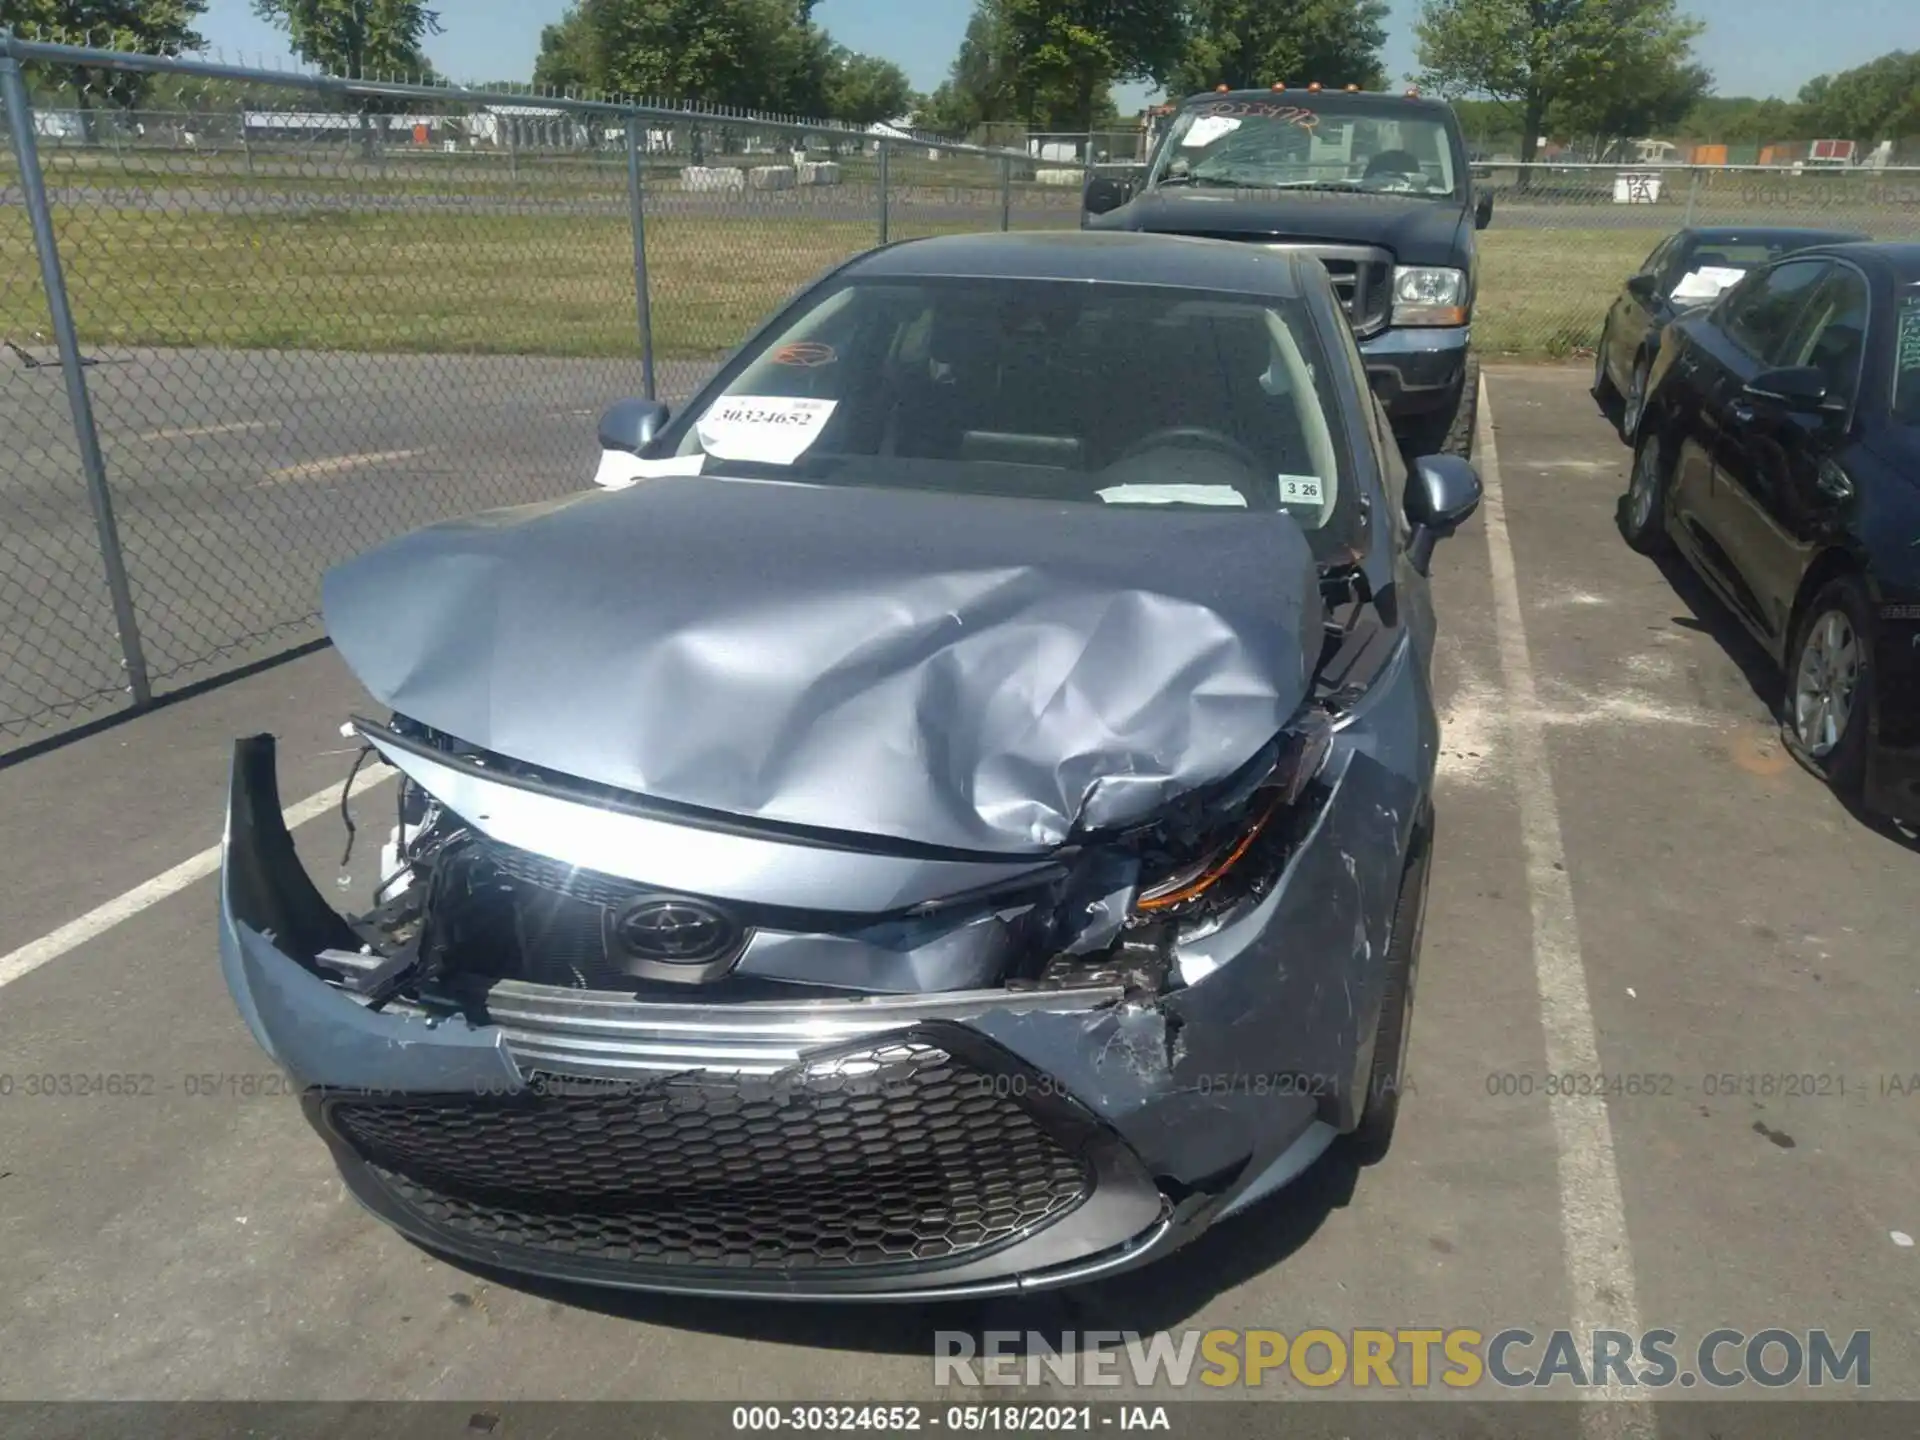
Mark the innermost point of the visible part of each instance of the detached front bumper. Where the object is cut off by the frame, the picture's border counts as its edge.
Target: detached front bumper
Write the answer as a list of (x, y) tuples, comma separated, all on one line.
[(1417, 371), (889, 1147)]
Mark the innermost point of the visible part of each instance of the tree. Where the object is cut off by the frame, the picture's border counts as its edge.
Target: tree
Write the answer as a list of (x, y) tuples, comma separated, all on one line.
[(754, 54), (1876, 101), (1531, 54), (862, 89), (1078, 48), (151, 27), (360, 39), (1246, 43), (1642, 102), (569, 59)]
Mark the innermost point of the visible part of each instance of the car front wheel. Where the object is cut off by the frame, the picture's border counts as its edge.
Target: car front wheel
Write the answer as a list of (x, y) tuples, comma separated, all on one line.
[(1642, 512), (1604, 390), (1634, 406), (1387, 1079), (1830, 685)]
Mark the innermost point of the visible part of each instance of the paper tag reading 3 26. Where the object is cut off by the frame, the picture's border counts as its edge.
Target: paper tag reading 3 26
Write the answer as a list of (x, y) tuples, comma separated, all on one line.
[(1301, 490), (765, 429)]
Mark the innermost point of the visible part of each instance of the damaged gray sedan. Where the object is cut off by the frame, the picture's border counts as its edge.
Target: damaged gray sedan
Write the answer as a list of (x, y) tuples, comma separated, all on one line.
[(949, 814)]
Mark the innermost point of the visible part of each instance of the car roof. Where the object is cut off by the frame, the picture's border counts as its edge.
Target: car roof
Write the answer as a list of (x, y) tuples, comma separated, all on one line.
[(1900, 259), (1763, 234), (1103, 257)]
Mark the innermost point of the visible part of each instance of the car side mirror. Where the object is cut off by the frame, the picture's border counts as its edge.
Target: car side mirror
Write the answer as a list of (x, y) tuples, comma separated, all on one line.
[(1442, 493), (631, 424), (1105, 194), (1483, 210), (1643, 287)]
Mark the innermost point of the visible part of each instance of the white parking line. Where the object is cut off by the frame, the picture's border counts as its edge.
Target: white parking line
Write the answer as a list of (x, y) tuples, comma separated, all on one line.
[(35, 953), (195, 432), (1593, 1222)]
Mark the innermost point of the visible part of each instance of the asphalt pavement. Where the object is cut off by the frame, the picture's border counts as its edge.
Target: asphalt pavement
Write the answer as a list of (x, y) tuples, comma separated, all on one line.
[(1631, 879)]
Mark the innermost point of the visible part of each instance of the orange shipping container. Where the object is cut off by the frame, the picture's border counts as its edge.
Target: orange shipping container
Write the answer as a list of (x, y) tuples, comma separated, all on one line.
[(1709, 154)]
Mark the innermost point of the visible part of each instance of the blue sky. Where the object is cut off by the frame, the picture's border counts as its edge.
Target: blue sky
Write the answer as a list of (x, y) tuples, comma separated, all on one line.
[(1754, 47)]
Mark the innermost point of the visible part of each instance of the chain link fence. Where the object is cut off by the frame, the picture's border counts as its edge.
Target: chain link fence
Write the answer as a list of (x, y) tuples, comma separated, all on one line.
[(297, 316), (253, 323), (1564, 237)]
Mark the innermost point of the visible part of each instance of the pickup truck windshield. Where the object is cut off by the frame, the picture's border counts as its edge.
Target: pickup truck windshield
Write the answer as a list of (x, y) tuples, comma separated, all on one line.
[(1283, 144)]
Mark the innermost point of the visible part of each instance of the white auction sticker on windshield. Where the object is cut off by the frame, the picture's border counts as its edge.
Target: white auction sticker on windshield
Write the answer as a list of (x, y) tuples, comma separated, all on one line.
[(1207, 129), (763, 429), (1302, 490), (1707, 282), (620, 468)]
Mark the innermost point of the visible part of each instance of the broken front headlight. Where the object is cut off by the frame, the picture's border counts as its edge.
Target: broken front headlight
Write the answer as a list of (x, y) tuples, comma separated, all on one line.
[(1185, 868)]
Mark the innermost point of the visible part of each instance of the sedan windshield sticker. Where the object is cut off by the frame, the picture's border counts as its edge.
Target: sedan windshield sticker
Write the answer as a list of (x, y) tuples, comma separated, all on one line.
[(1207, 129), (621, 468), (1302, 490), (1173, 495), (763, 429), (1707, 282), (1910, 335)]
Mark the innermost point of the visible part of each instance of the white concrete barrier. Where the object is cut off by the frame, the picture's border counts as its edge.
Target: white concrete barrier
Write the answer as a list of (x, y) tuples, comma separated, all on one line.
[(770, 177), (713, 177), (1061, 177), (820, 172)]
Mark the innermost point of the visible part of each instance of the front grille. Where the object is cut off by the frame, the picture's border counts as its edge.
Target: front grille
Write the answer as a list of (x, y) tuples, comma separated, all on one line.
[(1362, 276), (522, 916), (892, 1154)]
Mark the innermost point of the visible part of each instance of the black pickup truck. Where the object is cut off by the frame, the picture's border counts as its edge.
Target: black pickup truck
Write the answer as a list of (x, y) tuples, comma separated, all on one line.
[(1377, 186)]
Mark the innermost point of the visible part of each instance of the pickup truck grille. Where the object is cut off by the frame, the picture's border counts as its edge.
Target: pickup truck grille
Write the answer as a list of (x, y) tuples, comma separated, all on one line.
[(1362, 277)]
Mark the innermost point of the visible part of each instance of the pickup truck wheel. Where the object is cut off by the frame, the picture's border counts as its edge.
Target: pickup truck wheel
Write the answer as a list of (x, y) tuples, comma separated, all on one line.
[(1604, 390), (1449, 430)]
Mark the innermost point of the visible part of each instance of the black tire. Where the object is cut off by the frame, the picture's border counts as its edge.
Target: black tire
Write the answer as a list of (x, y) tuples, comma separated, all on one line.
[(1387, 1079), (1633, 415), (1843, 765), (1604, 390), (1448, 430), (1644, 526)]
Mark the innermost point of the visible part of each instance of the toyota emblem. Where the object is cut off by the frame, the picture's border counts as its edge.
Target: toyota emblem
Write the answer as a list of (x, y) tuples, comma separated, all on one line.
[(675, 931)]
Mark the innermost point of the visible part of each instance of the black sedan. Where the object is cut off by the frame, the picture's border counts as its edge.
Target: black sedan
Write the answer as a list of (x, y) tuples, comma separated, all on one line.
[(1780, 454), (1686, 270), (948, 815)]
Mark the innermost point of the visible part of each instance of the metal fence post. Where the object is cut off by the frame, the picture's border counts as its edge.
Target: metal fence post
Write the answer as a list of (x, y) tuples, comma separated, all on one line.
[(883, 189), (636, 207), (1006, 192), (1693, 193), (33, 185)]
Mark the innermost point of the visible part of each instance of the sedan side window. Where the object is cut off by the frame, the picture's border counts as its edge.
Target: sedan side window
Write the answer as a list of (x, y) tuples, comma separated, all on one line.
[(1832, 333), (1759, 317)]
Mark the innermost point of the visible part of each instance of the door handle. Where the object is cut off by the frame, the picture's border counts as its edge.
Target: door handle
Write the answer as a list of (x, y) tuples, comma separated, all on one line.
[(1833, 483), (1742, 412)]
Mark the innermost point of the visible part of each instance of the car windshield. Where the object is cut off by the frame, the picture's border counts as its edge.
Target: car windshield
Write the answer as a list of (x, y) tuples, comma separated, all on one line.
[(1714, 266), (1906, 361), (1103, 394), (1282, 143)]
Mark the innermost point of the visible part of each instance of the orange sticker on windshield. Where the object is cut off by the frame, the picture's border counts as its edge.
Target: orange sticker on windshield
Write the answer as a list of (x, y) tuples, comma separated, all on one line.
[(807, 354), (1263, 110)]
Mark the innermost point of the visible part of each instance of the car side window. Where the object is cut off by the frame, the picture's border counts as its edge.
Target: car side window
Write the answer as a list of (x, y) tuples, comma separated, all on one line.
[(1759, 315), (1831, 335), (1662, 254)]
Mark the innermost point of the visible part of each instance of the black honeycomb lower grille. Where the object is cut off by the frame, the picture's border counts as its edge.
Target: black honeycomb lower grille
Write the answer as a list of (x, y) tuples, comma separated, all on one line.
[(893, 1155)]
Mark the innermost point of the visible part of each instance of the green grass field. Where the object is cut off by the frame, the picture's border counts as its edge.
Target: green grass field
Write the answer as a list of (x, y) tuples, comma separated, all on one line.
[(556, 284)]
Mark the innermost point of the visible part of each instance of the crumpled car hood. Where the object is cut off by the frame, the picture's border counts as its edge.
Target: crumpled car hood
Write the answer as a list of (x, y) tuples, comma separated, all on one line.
[(971, 673)]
